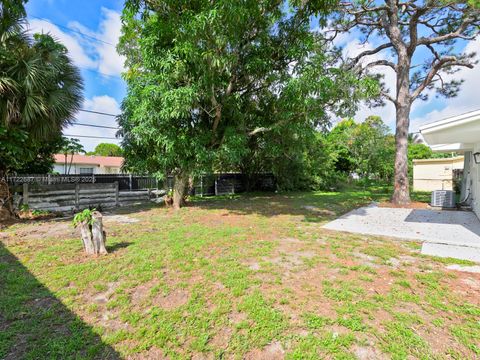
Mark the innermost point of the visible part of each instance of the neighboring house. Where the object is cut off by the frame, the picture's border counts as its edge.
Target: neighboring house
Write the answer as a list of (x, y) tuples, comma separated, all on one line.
[(88, 164), (460, 134), (435, 174)]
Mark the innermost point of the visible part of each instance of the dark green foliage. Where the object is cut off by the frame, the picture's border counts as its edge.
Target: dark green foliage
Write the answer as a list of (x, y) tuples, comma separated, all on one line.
[(23, 155), (13, 147), (227, 85), (43, 160), (298, 159), (366, 149), (339, 141)]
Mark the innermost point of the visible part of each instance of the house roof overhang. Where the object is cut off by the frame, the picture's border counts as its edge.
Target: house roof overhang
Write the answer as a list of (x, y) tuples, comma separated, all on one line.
[(457, 133), (455, 147)]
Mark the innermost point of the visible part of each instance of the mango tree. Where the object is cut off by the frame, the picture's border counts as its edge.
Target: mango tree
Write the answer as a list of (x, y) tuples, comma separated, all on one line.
[(204, 77)]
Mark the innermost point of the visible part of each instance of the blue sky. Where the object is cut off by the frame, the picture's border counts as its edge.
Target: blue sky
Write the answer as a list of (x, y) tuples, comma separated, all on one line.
[(90, 30)]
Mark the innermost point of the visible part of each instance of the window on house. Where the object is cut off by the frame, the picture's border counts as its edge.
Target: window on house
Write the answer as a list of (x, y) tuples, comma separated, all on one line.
[(86, 171)]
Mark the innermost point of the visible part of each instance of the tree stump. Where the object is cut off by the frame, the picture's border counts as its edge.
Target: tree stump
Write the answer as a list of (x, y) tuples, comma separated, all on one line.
[(98, 235), (93, 236)]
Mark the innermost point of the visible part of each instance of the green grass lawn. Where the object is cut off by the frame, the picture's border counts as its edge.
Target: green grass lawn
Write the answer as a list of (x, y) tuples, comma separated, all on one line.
[(251, 277)]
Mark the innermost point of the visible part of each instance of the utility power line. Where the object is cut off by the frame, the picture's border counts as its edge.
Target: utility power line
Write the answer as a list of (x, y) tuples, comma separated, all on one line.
[(91, 136), (116, 77), (96, 126), (87, 36), (98, 112), (73, 30)]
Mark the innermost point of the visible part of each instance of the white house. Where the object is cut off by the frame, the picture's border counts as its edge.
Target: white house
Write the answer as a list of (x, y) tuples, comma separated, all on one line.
[(87, 164), (461, 134)]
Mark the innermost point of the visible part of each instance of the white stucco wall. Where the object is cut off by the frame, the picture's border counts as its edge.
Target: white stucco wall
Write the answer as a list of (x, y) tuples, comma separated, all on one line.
[(435, 174), (97, 169), (75, 169), (58, 168), (475, 175)]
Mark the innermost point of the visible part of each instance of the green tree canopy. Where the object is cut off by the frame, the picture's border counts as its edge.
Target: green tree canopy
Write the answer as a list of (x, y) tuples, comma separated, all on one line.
[(207, 78), (373, 149), (107, 149), (419, 151), (366, 148)]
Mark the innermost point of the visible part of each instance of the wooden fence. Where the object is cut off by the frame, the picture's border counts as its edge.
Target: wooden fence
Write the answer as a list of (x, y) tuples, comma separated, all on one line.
[(204, 185), (69, 197), (125, 181)]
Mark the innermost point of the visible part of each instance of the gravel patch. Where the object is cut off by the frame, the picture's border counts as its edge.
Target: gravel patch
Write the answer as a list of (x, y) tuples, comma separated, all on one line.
[(471, 269)]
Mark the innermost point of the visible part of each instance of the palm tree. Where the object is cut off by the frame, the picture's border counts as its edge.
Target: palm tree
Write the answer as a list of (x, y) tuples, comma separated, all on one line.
[(40, 88), (70, 147)]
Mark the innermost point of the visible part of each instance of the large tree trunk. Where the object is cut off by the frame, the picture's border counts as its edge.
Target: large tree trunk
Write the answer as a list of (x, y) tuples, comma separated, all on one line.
[(401, 190), (180, 182)]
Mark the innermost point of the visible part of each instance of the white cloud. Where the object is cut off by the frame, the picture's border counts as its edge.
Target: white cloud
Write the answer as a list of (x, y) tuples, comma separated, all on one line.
[(109, 61), (104, 104), (88, 52), (351, 48), (467, 100), (76, 50), (96, 50)]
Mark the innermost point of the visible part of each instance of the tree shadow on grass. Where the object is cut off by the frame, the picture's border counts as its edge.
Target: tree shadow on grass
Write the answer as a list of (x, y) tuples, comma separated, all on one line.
[(34, 324), (118, 246)]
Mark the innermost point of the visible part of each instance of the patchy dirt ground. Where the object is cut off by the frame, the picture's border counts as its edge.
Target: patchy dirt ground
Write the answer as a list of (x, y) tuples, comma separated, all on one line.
[(250, 277), (412, 205)]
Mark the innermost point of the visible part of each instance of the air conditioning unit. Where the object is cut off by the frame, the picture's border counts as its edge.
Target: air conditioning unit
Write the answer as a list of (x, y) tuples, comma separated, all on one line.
[(443, 198)]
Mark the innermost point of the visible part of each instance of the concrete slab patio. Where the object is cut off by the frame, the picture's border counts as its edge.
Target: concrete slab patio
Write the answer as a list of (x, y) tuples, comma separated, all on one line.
[(443, 232)]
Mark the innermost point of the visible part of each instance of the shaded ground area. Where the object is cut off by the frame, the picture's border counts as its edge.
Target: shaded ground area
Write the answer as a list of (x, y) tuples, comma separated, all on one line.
[(253, 277), (35, 324)]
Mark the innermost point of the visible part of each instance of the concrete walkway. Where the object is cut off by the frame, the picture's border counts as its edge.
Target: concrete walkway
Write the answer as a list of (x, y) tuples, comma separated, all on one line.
[(445, 233)]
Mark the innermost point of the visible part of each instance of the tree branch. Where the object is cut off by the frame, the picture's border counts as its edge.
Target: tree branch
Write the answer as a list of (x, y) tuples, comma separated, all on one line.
[(457, 34), (388, 97), (381, 63), (413, 28), (357, 58), (447, 61)]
